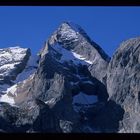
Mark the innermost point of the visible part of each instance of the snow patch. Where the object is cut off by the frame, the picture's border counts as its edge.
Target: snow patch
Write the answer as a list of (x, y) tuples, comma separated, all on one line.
[(70, 56), (12, 90), (51, 101), (9, 58), (83, 100), (80, 57), (27, 72), (7, 68), (9, 96), (12, 54), (7, 99)]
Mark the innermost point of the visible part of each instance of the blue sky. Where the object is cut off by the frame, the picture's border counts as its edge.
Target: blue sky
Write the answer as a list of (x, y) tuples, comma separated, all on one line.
[(30, 26)]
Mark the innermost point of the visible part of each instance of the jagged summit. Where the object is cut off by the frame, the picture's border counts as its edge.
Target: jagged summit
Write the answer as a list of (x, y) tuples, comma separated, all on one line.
[(72, 25), (75, 27), (71, 46), (74, 30)]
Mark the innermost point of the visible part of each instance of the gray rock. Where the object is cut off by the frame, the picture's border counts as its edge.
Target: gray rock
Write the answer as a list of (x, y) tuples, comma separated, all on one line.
[(65, 126), (43, 102), (73, 38), (50, 86), (12, 62), (123, 83)]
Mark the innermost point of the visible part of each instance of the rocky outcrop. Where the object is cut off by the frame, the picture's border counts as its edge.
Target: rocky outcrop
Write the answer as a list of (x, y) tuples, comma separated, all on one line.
[(47, 97), (123, 83), (12, 62)]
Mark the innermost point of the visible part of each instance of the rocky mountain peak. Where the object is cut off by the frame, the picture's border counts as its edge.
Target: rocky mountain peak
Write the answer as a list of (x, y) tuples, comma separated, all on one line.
[(72, 86), (71, 46), (72, 30), (62, 84), (68, 34)]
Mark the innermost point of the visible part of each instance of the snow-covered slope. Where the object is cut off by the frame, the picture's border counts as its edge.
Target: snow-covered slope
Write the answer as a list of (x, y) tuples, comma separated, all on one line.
[(12, 54), (8, 97), (9, 60), (12, 62), (10, 92)]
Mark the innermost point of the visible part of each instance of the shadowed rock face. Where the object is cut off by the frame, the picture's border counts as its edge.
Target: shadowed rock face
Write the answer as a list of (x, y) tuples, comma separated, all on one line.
[(123, 83), (107, 118)]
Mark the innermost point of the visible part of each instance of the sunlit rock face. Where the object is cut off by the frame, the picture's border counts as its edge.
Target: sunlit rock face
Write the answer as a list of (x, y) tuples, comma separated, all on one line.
[(123, 83), (71, 46)]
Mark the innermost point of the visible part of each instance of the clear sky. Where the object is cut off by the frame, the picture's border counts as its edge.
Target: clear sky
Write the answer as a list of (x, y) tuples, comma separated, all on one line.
[(30, 26)]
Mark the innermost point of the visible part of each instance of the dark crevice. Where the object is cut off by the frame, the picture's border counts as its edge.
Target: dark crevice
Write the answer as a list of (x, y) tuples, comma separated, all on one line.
[(108, 118), (139, 97)]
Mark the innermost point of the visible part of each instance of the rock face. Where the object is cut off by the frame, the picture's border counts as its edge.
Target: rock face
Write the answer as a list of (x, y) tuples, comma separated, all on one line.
[(123, 83), (63, 80), (12, 62), (72, 86), (76, 47)]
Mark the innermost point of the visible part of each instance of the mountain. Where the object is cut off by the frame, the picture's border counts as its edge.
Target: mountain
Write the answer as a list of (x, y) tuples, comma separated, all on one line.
[(71, 86), (68, 47), (123, 83)]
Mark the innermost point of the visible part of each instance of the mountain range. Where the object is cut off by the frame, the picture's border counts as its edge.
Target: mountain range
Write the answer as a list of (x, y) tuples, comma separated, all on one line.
[(70, 86)]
